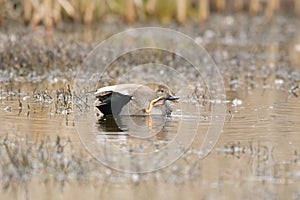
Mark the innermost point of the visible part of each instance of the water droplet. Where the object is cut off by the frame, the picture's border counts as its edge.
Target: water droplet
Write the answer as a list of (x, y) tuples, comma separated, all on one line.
[(297, 47), (8, 109), (26, 98), (279, 81), (237, 102), (135, 178)]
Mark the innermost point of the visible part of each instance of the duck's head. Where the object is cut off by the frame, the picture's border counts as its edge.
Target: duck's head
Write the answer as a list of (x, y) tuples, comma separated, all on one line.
[(163, 93)]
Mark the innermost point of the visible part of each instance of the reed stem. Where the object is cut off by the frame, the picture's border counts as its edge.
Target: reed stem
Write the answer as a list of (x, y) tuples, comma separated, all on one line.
[(238, 5), (297, 7), (37, 14), (56, 12), (204, 10), (50, 12), (129, 11), (220, 5), (277, 5), (254, 7), (68, 7), (99, 9), (181, 9), (270, 10), (27, 10), (88, 13), (150, 6), (48, 18), (1, 11), (165, 10)]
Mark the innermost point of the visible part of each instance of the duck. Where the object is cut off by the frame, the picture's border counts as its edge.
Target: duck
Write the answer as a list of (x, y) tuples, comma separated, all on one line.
[(135, 99)]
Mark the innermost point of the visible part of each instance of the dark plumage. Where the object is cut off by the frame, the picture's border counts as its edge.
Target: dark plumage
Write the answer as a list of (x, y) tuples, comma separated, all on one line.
[(135, 99)]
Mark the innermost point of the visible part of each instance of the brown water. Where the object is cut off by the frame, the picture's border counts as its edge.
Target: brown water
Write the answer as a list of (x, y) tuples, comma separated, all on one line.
[(256, 157)]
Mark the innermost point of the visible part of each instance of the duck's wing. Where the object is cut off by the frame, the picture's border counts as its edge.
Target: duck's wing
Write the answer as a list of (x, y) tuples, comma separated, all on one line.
[(125, 89), (103, 96), (112, 99)]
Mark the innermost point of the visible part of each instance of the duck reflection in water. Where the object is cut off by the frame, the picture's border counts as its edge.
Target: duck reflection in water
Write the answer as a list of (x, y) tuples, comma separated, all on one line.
[(137, 126)]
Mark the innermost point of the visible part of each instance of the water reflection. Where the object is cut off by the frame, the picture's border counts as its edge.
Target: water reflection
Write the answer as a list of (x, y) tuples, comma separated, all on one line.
[(136, 126), (108, 124), (139, 133)]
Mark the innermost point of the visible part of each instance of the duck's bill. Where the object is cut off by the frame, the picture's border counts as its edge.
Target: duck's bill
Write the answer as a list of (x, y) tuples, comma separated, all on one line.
[(161, 101), (173, 98)]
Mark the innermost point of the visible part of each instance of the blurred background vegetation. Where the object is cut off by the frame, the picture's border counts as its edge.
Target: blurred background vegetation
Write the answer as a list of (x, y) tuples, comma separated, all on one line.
[(49, 13)]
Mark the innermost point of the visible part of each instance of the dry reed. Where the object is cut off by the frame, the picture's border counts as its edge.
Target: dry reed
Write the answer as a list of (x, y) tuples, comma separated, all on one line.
[(48, 18), (129, 14), (56, 12), (220, 5), (270, 9), (88, 12), (254, 7), (181, 11), (238, 5), (51, 12), (151, 6), (1, 11), (165, 11), (297, 8), (204, 10), (27, 11)]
